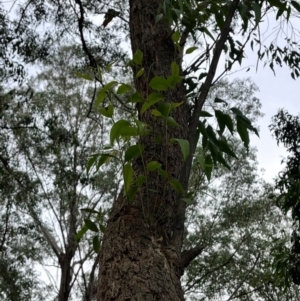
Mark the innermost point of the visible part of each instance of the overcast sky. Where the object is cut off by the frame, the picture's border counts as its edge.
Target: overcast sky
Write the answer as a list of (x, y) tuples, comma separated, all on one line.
[(276, 91)]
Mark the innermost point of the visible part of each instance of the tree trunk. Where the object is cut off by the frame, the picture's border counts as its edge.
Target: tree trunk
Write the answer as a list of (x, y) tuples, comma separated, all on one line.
[(140, 256)]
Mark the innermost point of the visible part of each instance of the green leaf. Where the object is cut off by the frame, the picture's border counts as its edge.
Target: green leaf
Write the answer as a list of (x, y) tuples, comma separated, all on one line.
[(96, 244), (177, 186), (153, 165), (188, 201), (102, 228), (200, 159), (205, 30), (142, 127), (219, 100), (184, 145), (109, 85), (102, 93), (104, 158), (108, 111), (158, 18), (176, 104), (123, 88), (242, 10), (140, 73), (171, 121), (239, 113), (243, 132), (159, 83), (175, 69), (91, 225), (221, 120), (89, 210), (136, 97), (138, 57), (81, 232), (205, 114), (257, 10), (163, 173), (109, 66), (176, 36), (213, 151), (296, 5), (91, 162), (83, 75), (222, 160), (140, 180), (117, 129), (128, 175), (202, 75), (208, 167), (133, 151), (100, 97), (224, 120), (156, 113), (173, 80), (164, 108), (191, 50), (122, 128), (211, 135), (132, 192), (225, 148), (152, 99)]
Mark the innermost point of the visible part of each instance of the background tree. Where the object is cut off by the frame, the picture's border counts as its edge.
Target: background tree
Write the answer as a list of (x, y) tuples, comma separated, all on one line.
[(285, 128), (46, 143)]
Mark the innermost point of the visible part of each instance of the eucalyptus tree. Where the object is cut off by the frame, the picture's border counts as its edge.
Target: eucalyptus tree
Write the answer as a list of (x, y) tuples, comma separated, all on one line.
[(47, 137), (141, 255)]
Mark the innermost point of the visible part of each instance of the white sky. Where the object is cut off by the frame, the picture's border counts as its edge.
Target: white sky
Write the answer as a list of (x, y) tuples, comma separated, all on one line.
[(276, 91)]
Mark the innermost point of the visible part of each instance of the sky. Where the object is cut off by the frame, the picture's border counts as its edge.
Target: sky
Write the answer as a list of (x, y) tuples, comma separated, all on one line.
[(276, 92)]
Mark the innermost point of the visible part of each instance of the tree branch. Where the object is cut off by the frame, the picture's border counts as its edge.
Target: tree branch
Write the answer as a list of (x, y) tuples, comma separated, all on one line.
[(187, 256), (178, 226), (210, 75), (243, 280)]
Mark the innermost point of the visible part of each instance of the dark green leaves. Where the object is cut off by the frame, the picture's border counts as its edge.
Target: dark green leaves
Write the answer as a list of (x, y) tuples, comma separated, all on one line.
[(243, 124), (208, 166), (257, 10), (296, 5), (184, 146), (91, 225), (138, 57), (133, 151), (159, 83), (122, 128)]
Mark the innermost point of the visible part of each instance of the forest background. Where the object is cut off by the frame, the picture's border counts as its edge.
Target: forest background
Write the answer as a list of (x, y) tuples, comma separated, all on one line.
[(49, 131)]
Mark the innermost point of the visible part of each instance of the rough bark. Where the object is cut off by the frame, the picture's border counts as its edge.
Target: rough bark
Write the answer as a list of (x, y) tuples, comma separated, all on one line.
[(138, 260)]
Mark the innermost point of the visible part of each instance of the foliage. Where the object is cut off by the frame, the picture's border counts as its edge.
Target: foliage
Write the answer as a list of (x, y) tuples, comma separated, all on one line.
[(46, 138), (285, 128)]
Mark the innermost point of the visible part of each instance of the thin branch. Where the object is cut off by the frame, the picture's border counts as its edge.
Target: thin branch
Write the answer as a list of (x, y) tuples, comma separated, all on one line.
[(49, 238), (7, 215), (243, 280), (178, 226), (187, 256), (199, 280)]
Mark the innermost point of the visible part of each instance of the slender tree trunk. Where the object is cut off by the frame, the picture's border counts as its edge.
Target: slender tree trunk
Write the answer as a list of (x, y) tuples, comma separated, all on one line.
[(139, 259)]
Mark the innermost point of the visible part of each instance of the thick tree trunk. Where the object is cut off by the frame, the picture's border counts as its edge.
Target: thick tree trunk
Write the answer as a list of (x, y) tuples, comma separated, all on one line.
[(139, 259)]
